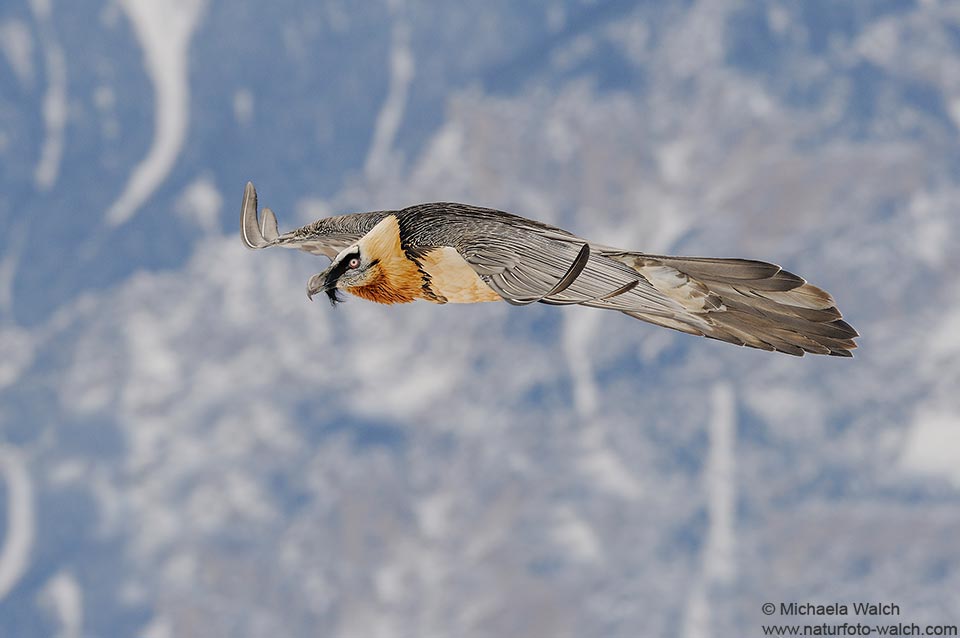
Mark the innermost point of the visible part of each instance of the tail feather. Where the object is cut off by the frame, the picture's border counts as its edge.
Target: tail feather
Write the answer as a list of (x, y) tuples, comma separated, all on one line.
[(762, 305), (833, 328), (758, 274), (750, 303)]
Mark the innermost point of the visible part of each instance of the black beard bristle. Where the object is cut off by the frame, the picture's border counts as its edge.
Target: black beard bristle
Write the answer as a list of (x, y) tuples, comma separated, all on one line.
[(334, 296)]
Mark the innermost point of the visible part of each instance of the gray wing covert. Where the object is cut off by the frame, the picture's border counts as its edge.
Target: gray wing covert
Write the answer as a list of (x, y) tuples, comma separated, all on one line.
[(526, 265)]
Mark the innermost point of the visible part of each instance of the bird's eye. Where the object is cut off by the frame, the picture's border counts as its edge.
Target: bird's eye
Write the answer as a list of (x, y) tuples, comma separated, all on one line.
[(353, 263)]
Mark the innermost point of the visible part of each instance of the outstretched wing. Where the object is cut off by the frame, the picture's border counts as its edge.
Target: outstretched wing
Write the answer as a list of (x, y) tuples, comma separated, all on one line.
[(536, 264), (325, 237), (739, 301)]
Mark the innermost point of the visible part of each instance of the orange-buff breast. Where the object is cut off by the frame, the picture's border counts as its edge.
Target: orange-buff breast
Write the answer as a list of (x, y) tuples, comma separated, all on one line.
[(453, 279)]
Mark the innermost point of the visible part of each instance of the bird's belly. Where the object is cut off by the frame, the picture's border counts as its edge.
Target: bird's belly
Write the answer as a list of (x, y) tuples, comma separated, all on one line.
[(452, 278)]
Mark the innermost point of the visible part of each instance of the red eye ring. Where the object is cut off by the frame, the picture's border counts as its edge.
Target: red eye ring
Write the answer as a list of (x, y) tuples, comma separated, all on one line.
[(353, 263)]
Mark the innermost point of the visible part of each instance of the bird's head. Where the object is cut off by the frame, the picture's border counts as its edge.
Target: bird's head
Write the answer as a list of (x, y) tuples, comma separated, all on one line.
[(350, 269)]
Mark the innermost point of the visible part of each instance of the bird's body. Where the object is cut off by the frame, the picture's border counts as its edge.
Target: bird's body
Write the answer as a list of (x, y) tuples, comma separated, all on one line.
[(456, 253)]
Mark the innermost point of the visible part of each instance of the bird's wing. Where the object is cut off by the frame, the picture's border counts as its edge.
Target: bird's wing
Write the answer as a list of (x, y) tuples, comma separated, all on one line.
[(740, 301), (326, 237), (535, 264)]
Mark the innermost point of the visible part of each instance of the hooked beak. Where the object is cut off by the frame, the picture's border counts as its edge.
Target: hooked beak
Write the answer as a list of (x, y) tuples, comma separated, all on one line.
[(325, 283)]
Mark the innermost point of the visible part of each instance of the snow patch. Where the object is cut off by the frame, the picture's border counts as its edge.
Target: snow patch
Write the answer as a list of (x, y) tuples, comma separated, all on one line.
[(243, 106), (158, 628), (391, 113), (433, 515), (562, 140), (16, 354), (779, 20), (55, 119), (155, 367), (91, 381), (674, 160), (598, 462), (931, 228), (41, 8), (9, 264), (17, 44), (556, 17), (181, 569), (579, 326), (933, 445), (698, 43), (164, 30), (793, 413), (54, 100), (445, 160), (104, 98), (391, 583), (879, 42), (944, 340), (64, 598), (200, 203), (719, 484), (954, 110), (604, 466), (577, 537), (21, 519), (310, 209)]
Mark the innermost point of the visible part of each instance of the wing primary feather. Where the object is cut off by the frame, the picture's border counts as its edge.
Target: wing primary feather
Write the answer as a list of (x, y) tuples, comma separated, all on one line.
[(621, 290), (571, 276), (576, 302), (573, 272), (249, 226), (269, 229)]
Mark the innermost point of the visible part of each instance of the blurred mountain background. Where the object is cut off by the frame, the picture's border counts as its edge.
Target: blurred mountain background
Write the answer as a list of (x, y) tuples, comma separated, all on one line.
[(188, 447)]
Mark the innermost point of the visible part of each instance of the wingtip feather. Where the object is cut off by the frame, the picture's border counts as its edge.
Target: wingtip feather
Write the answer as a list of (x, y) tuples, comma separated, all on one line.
[(249, 225), (268, 225)]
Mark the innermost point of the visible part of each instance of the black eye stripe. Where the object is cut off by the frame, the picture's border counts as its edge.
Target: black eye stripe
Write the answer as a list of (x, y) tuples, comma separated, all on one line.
[(342, 266)]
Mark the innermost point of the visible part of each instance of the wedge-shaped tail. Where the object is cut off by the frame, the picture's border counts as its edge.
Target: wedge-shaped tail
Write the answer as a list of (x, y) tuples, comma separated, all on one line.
[(745, 302)]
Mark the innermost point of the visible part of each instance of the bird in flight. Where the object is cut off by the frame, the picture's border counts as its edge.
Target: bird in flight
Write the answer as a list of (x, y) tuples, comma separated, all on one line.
[(457, 253)]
